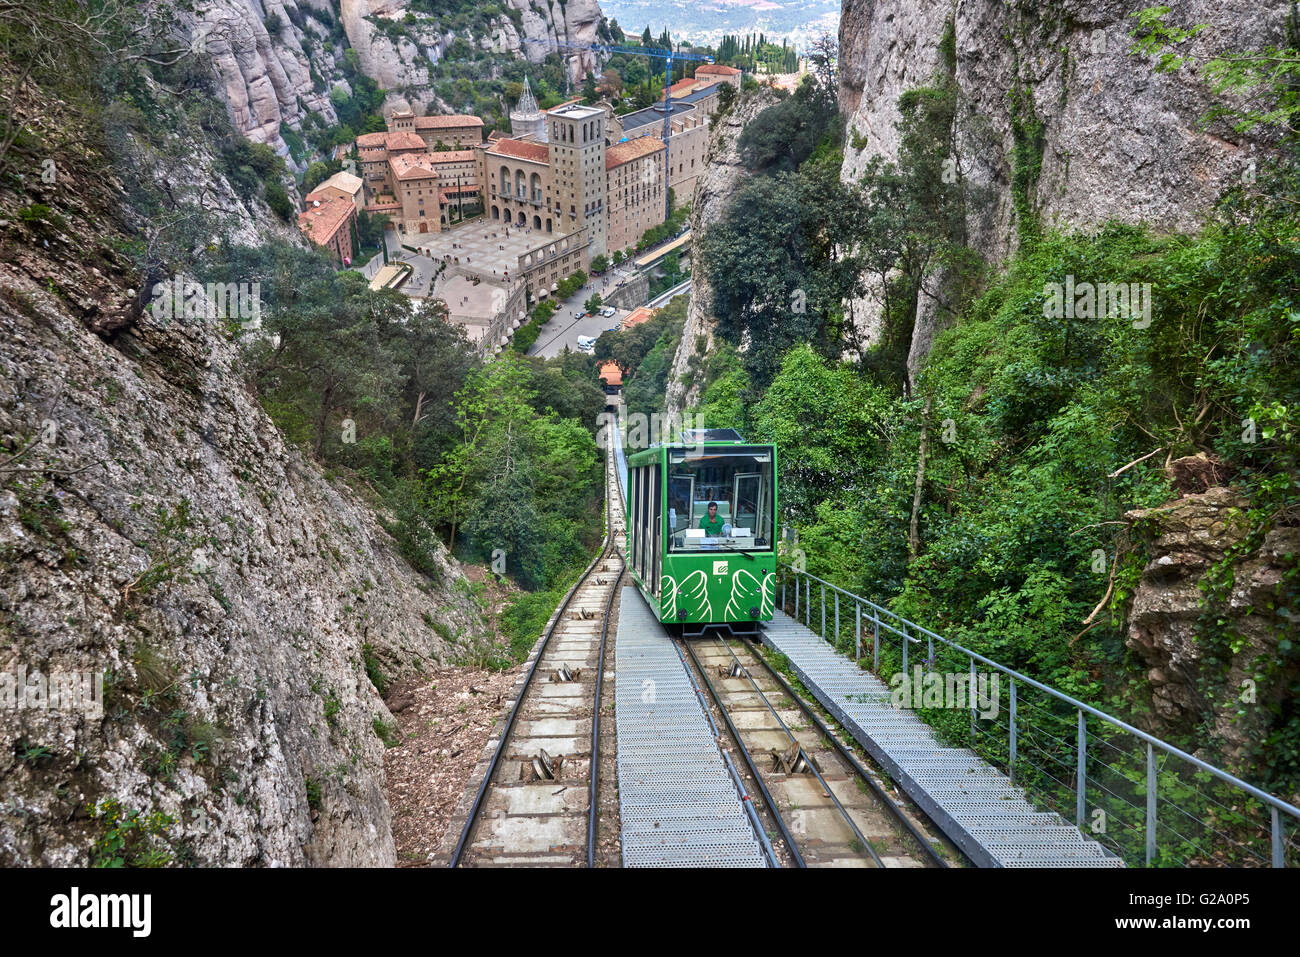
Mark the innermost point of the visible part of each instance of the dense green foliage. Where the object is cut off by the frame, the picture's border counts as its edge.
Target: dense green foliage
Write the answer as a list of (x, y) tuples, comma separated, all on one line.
[(1033, 422), (644, 354), (495, 459), (784, 135)]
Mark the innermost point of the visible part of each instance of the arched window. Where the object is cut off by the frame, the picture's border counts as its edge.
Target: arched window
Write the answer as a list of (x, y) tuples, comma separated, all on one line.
[(523, 220), (536, 185), (505, 181), (521, 184), (537, 222), (496, 213)]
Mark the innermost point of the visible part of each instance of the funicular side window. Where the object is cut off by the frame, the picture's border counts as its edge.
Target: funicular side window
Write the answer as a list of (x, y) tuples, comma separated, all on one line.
[(656, 519), (634, 532)]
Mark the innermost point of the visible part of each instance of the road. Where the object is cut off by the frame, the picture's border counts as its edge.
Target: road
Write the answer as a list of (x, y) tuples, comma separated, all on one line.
[(569, 322)]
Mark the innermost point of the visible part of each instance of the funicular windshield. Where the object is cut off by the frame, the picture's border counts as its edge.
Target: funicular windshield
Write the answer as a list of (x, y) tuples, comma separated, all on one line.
[(720, 499)]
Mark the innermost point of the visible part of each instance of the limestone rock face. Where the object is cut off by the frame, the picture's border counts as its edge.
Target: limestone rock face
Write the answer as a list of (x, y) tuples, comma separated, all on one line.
[(397, 57), (1120, 142), (267, 77), (714, 188), (274, 77), (1184, 540), (157, 531)]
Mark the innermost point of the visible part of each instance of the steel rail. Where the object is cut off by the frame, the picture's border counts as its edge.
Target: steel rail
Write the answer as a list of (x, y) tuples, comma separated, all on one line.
[(749, 761), (600, 675), (472, 818), (740, 787), (803, 754), (932, 856)]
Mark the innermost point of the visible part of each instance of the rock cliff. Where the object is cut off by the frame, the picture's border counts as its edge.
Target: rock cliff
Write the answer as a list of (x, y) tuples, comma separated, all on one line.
[(1100, 136), (281, 73), (714, 188), (1184, 540), (157, 533)]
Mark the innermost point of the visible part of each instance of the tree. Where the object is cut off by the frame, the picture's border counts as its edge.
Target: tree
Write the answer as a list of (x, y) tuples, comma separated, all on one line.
[(825, 57), (593, 303), (726, 97), (318, 172), (647, 40), (611, 84), (786, 133), (780, 265), (600, 263), (589, 94)]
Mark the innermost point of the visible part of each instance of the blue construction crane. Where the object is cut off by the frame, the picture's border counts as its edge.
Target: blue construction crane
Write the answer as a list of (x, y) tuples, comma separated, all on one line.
[(668, 56)]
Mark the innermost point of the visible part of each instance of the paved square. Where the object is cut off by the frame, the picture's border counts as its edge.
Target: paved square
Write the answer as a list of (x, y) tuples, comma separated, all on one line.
[(470, 305), (488, 248)]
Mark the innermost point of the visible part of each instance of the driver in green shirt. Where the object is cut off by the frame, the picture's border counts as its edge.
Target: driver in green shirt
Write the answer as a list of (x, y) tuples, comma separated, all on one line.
[(712, 523)]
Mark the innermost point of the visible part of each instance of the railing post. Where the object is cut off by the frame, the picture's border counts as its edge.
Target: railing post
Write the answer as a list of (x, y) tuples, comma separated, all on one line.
[(970, 693), (823, 612), (857, 630), (1279, 859), (783, 584), (796, 596), (875, 640), (930, 662), (837, 621), (807, 601), (1151, 803), (1081, 785), (905, 644), (1011, 735)]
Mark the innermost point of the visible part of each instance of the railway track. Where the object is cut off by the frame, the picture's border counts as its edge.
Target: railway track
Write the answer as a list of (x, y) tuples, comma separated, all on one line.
[(828, 810), (537, 801)]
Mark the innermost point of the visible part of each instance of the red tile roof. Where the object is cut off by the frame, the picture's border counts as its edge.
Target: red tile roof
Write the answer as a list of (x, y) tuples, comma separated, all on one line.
[(610, 372), (717, 69), (682, 87), (438, 157), (321, 223), (371, 140), (453, 121), (522, 149), (639, 315), (405, 140), (412, 166), (633, 149)]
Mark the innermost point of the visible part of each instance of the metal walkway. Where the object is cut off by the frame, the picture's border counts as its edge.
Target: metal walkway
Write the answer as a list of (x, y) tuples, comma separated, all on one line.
[(678, 794), (975, 804)]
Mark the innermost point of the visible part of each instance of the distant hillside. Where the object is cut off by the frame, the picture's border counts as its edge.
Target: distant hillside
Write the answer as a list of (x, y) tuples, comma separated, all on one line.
[(799, 20)]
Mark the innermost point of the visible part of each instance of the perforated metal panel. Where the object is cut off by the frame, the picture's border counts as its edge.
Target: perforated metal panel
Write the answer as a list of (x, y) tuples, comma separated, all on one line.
[(977, 806), (678, 803)]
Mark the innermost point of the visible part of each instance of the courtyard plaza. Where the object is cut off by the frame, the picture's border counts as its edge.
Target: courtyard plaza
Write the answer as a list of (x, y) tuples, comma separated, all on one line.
[(487, 248)]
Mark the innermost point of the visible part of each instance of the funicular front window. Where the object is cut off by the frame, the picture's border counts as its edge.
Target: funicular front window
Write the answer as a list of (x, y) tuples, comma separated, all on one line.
[(738, 481)]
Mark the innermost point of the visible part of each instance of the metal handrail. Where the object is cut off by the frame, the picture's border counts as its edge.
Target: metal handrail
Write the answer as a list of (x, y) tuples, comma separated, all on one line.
[(918, 633)]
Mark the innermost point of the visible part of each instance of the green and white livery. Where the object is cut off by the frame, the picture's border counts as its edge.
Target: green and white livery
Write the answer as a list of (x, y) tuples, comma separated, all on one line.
[(701, 519)]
